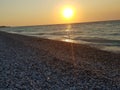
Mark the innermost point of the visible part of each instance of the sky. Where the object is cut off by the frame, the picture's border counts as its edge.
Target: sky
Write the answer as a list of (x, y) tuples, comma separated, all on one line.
[(40, 12)]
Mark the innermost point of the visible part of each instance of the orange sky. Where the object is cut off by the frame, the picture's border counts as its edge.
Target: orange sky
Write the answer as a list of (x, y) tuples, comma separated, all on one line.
[(39, 12)]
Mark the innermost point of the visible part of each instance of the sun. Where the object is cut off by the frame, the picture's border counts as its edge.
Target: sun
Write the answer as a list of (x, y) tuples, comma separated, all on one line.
[(68, 13)]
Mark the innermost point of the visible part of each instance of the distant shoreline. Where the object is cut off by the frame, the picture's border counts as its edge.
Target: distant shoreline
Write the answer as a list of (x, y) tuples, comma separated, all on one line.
[(4, 26)]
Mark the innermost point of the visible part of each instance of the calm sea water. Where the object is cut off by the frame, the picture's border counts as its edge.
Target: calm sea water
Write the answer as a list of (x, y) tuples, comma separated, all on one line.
[(104, 35)]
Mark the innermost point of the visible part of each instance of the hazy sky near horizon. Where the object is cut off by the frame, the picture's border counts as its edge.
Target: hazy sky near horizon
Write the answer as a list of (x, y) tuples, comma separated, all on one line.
[(37, 12)]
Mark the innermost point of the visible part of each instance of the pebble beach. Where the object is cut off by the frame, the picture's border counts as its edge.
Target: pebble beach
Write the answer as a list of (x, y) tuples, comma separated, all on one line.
[(31, 63)]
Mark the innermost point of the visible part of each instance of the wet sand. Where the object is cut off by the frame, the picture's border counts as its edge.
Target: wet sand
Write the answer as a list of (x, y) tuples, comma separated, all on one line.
[(42, 64)]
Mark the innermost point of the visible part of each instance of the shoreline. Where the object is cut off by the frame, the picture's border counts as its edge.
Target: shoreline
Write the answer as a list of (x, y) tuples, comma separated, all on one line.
[(61, 55)]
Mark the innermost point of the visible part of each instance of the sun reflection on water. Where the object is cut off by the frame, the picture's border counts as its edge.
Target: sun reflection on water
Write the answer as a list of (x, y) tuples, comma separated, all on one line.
[(69, 34), (68, 40), (68, 27)]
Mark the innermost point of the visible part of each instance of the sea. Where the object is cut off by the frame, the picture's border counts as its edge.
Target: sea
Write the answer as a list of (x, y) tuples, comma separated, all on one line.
[(104, 35)]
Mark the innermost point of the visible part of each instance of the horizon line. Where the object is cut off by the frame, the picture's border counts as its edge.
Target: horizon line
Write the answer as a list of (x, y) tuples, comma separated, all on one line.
[(95, 21)]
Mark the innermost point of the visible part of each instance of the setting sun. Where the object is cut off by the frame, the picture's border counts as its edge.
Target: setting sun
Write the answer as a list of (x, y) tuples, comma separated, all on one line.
[(68, 13)]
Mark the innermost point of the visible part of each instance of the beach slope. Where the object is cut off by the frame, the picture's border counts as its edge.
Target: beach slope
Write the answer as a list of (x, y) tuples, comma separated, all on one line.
[(34, 63)]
